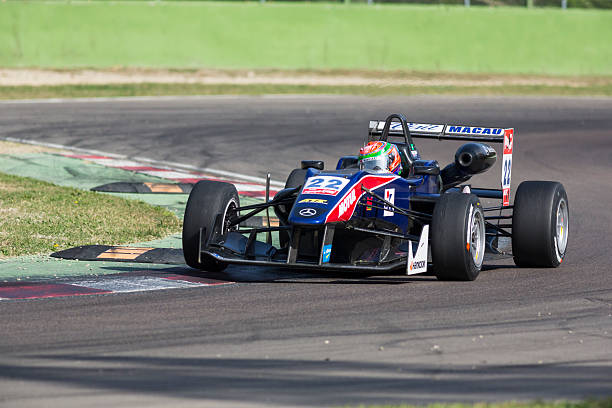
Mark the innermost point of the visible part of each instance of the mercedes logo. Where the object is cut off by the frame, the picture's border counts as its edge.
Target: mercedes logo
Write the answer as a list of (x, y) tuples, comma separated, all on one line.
[(307, 212)]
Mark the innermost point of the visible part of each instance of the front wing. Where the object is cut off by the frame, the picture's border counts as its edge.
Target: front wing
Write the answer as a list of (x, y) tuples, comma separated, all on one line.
[(237, 249)]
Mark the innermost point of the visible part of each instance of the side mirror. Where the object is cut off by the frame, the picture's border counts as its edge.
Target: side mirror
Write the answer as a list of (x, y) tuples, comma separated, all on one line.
[(315, 164), (425, 168)]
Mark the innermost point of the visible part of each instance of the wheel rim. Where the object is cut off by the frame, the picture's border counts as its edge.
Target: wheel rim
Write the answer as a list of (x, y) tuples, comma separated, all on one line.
[(477, 238), (562, 224), (229, 210)]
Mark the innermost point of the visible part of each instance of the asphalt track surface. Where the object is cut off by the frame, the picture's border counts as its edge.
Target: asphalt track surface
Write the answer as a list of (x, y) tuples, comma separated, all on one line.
[(283, 339)]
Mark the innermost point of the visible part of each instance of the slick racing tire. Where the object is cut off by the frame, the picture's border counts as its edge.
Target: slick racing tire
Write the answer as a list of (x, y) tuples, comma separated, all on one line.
[(540, 224), (206, 201), (457, 237)]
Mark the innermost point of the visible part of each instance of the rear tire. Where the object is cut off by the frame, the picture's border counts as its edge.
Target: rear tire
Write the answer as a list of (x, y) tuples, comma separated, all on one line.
[(540, 224), (206, 201), (457, 237)]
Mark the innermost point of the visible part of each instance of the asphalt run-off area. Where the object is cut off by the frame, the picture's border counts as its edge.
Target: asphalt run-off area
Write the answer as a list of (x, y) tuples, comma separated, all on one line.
[(276, 337)]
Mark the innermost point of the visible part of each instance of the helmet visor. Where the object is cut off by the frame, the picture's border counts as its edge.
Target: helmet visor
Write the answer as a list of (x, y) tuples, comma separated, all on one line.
[(376, 163)]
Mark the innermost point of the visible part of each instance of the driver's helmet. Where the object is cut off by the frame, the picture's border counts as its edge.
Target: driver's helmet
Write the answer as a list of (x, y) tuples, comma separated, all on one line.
[(380, 156)]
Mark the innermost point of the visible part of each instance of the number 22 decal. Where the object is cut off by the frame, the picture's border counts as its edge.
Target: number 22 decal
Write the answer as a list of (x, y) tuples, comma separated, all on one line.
[(317, 183), (326, 185)]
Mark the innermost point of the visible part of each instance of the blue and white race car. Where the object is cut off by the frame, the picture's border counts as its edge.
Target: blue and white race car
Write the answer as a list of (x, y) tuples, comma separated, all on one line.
[(358, 219)]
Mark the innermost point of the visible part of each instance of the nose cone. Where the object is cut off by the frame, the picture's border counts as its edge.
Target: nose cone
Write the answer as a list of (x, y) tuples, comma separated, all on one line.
[(319, 195), (308, 214)]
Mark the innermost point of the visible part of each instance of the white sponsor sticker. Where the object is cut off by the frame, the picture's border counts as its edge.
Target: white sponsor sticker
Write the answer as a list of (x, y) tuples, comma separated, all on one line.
[(417, 263), (390, 197), (413, 127), (347, 202)]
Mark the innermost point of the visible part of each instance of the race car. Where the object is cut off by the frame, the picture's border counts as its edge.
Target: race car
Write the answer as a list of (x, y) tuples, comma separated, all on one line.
[(406, 215)]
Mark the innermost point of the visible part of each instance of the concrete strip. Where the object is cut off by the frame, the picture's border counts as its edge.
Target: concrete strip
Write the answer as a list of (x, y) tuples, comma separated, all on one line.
[(43, 77)]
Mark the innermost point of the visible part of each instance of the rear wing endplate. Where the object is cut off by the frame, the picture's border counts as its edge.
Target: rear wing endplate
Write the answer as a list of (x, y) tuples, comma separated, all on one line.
[(461, 133)]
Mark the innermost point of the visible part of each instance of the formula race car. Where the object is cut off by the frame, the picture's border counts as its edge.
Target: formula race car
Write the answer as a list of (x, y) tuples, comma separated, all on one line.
[(369, 219)]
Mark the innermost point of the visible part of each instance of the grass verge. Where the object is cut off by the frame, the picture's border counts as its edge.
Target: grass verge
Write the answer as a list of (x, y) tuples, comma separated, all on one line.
[(158, 89), (589, 403), (39, 217), (305, 36)]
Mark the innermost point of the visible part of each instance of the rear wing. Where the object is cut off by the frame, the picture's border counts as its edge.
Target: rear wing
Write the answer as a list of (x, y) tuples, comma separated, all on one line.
[(453, 132), (442, 132)]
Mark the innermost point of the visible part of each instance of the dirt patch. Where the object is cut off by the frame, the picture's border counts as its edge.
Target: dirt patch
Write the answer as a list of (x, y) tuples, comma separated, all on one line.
[(8, 188), (47, 77), (21, 148)]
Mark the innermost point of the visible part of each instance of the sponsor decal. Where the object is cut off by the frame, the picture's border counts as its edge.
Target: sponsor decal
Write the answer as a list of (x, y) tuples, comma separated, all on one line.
[(371, 182), (506, 171), (417, 262), (307, 212), (390, 197), (414, 127), (430, 128), (313, 201), (347, 202), (326, 253), (468, 130), (424, 127), (369, 204), (365, 159), (508, 141), (324, 185), (468, 238), (507, 166), (320, 191)]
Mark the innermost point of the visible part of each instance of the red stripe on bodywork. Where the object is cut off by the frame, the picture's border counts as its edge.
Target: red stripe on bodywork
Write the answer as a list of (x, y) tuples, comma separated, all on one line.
[(369, 182), (41, 290)]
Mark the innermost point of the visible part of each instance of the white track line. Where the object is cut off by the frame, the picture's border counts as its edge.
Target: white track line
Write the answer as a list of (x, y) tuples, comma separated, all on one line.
[(172, 166), (123, 99)]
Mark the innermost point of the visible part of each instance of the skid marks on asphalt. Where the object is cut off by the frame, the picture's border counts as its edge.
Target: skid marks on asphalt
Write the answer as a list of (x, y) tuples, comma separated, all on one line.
[(139, 281)]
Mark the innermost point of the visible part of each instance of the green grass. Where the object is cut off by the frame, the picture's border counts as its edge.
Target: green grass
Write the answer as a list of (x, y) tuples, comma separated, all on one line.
[(39, 217), (305, 36), (602, 403), (81, 91)]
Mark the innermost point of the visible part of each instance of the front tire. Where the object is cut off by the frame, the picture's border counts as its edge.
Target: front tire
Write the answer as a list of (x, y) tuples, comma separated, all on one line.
[(207, 200), (457, 237), (540, 224)]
